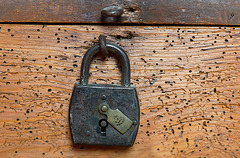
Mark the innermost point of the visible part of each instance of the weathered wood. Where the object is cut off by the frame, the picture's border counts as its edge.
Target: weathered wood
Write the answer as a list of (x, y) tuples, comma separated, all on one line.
[(199, 12), (188, 81)]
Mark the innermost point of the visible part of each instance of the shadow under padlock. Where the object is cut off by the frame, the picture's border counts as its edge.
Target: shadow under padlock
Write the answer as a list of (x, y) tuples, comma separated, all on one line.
[(104, 114)]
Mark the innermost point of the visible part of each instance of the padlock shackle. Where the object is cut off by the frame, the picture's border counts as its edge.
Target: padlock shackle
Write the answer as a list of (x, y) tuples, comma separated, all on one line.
[(118, 51)]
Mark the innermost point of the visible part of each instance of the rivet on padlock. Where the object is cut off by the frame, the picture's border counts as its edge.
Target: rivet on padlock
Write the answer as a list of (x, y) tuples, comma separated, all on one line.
[(104, 114)]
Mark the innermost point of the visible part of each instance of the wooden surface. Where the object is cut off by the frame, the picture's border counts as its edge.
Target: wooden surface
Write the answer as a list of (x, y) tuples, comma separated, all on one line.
[(187, 78), (190, 12)]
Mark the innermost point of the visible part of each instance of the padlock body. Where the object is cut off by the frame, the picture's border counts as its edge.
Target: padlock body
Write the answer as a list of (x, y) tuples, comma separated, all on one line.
[(84, 115)]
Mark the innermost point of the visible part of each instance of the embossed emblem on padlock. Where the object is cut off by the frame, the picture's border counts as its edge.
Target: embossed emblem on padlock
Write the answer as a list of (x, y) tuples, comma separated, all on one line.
[(104, 114)]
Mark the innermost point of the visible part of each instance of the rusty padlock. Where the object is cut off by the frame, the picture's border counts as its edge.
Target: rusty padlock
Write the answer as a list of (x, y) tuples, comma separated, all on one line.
[(104, 114)]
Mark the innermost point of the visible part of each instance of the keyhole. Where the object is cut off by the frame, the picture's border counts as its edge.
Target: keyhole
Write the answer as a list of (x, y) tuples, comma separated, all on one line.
[(103, 124)]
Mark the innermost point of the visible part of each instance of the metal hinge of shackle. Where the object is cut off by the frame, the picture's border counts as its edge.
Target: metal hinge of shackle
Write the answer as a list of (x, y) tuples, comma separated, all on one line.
[(104, 114)]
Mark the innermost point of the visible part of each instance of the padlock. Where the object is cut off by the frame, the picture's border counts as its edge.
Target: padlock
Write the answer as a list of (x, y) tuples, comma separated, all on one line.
[(104, 114)]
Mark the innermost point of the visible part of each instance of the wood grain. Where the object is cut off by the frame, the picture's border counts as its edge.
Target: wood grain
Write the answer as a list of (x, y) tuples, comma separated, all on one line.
[(187, 78), (187, 12)]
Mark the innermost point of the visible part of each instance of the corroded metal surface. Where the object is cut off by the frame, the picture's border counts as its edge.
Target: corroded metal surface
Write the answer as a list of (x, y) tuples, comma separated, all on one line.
[(85, 116), (116, 118), (116, 50), (93, 106)]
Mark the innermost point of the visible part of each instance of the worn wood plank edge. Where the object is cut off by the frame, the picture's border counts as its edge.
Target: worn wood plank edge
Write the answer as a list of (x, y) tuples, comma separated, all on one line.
[(188, 12)]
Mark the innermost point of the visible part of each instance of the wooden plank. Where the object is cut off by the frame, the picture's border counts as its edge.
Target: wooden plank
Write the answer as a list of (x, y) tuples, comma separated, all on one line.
[(188, 12), (188, 81)]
